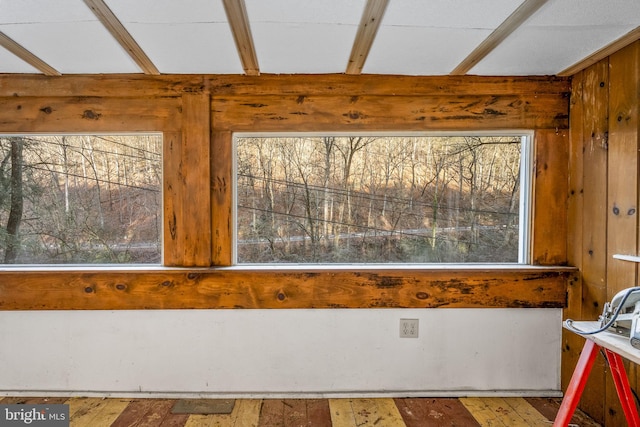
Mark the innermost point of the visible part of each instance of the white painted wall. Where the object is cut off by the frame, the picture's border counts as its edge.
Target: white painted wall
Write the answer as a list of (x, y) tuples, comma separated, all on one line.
[(281, 352)]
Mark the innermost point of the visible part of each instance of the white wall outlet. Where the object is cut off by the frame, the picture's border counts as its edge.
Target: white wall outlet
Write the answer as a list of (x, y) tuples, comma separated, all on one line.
[(408, 328)]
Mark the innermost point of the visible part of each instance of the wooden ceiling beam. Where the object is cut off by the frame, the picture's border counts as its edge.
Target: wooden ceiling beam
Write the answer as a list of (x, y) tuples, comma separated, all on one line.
[(28, 57), (120, 33), (236, 11), (369, 24), (624, 41), (508, 26)]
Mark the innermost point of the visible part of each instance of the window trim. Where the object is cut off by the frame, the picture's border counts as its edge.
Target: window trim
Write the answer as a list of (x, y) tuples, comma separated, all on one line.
[(525, 226)]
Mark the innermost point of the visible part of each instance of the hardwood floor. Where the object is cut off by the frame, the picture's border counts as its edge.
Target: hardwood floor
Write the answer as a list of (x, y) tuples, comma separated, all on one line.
[(382, 412)]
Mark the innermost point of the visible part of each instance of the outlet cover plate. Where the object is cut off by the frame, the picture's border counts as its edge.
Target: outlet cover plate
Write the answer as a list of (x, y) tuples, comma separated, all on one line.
[(409, 328)]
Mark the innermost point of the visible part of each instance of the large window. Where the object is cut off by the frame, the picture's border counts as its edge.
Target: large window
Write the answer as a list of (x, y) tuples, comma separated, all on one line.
[(80, 199), (382, 199)]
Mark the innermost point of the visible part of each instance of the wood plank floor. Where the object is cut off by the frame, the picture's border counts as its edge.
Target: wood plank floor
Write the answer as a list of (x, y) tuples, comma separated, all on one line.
[(382, 412)]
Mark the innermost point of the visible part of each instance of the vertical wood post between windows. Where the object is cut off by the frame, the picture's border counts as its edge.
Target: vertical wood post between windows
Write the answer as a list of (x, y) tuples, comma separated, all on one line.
[(187, 180)]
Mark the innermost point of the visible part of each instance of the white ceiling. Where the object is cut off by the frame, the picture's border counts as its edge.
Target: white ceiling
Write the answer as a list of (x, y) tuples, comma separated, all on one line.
[(415, 37)]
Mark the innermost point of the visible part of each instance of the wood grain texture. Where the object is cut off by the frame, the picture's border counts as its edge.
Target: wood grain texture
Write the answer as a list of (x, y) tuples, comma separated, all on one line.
[(359, 412), (366, 34), (550, 197), (122, 35), (381, 85), (204, 288), (408, 113), (198, 113), (442, 412), (82, 410), (173, 197), (236, 12), (222, 198), (622, 189), (572, 343), (114, 85), (195, 173), (595, 98), (482, 413), (83, 114), (186, 178), (622, 192), (134, 413), (603, 200), (137, 85), (246, 412), (294, 412), (21, 52), (504, 30), (109, 413), (548, 406), (415, 412), (595, 148), (634, 110), (508, 412)]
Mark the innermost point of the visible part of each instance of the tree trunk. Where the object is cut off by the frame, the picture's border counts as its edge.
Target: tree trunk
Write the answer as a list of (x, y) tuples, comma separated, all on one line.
[(17, 202), (65, 172), (329, 142)]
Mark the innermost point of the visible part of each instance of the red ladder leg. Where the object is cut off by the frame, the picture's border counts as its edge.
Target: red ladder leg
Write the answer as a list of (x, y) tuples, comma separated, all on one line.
[(621, 382), (577, 384)]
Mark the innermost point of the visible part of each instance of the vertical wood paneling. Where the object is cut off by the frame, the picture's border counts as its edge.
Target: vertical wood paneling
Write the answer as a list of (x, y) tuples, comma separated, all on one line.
[(572, 343), (622, 223), (603, 221), (550, 196), (595, 130), (635, 115)]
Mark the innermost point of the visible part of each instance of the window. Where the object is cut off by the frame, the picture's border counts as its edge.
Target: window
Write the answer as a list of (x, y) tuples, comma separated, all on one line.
[(332, 199), (80, 199)]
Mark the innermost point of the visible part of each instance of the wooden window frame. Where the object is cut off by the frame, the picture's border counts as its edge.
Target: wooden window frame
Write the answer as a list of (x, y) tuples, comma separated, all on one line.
[(198, 115)]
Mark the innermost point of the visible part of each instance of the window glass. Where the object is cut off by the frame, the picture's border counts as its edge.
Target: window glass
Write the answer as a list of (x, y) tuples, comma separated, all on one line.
[(381, 199), (78, 199)]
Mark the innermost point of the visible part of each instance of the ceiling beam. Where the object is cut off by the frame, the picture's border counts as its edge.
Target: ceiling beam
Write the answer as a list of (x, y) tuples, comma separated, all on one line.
[(369, 24), (117, 30), (236, 11), (28, 57), (624, 41), (508, 26)]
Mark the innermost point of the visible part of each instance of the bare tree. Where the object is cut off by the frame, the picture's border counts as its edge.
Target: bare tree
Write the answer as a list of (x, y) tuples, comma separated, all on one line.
[(328, 143), (352, 145), (16, 204)]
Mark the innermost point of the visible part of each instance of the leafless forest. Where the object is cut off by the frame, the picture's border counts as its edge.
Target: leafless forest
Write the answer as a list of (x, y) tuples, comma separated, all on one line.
[(97, 199), (80, 199), (378, 199)]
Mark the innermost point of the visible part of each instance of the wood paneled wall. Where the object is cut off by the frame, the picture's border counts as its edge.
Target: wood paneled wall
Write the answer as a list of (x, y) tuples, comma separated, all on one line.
[(198, 115), (603, 204)]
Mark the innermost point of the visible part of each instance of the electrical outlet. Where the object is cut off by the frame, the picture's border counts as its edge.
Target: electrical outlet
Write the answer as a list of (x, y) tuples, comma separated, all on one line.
[(408, 328)]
